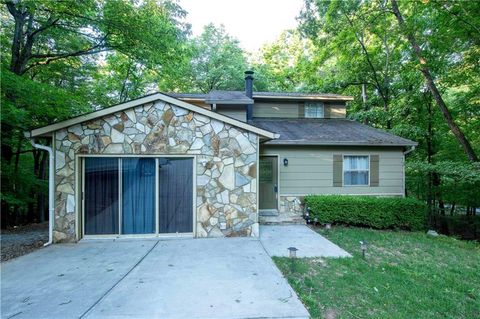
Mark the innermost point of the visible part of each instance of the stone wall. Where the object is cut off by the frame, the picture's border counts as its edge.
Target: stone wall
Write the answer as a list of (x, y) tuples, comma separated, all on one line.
[(226, 169), (291, 205)]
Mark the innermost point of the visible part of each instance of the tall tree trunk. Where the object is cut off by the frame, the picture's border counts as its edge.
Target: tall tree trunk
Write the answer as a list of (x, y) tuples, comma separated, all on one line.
[(433, 87), (429, 142)]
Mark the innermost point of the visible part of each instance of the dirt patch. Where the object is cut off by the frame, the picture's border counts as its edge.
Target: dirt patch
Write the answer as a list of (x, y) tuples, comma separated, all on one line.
[(22, 240)]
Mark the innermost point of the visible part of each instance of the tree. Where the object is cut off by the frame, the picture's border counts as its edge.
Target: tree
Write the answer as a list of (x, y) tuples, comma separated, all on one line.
[(285, 64), (432, 86), (54, 54), (217, 61), (360, 49)]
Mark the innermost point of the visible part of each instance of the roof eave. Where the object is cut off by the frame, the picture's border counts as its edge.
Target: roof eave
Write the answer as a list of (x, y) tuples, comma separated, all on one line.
[(46, 130), (322, 143), (237, 102), (314, 98)]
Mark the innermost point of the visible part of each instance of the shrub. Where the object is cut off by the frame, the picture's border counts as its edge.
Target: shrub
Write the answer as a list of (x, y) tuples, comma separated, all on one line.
[(375, 212)]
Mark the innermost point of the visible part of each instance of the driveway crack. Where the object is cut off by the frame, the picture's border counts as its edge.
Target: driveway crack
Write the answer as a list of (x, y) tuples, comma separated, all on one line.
[(116, 284)]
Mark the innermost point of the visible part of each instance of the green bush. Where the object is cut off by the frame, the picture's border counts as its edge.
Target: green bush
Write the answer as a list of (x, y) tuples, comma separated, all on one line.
[(370, 211)]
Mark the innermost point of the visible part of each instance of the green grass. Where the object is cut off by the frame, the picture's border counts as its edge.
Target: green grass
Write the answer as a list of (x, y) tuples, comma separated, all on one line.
[(405, 275)]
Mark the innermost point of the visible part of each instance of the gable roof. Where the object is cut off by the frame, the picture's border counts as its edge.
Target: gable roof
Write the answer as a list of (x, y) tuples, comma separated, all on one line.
[(328, 132), (266, 95), (46, 130)]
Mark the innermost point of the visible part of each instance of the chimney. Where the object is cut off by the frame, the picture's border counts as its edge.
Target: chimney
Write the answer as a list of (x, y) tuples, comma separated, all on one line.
[(249, 93)]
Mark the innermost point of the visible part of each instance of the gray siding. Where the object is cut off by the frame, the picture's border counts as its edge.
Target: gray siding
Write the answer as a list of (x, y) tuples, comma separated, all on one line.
[(295, 109), (310, 170), (335, 111), (237, 112), (276, 109)]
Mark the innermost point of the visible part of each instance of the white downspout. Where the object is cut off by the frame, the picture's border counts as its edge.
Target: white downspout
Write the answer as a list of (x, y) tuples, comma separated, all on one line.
[(51, 174)]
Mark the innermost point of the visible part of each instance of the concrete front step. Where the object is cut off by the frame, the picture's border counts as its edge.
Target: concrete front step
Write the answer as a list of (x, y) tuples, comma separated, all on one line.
[(281, 220)]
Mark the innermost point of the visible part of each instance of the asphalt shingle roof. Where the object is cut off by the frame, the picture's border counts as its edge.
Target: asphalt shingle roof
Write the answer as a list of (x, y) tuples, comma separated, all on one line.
[(328, 132)]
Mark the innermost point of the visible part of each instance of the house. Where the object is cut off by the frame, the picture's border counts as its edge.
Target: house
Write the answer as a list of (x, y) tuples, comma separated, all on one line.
[(211, 165)]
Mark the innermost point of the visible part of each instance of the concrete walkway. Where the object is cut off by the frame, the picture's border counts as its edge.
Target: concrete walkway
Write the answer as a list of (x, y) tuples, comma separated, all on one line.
[(181, 278), (277, 239)]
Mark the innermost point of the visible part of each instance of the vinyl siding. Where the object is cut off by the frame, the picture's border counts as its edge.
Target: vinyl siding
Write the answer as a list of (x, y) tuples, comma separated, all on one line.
[(295, 110), (237, 112), (335, 111), (310, 170), (275, 109)]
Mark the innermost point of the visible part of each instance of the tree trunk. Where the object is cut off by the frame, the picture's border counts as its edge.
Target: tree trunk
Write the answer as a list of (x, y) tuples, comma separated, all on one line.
[(429, 142), (432, 86)]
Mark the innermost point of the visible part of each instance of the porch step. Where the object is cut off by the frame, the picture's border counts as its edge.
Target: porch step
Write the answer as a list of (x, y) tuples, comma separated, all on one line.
[(268, 212), (281, 220)]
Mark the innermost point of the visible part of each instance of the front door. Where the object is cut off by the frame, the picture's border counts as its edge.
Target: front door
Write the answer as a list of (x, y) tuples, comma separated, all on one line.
[(268, 182)]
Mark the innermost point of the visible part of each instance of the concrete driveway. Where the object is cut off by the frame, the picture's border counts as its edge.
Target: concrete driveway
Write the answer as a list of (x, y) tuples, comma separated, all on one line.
[(181, 278)]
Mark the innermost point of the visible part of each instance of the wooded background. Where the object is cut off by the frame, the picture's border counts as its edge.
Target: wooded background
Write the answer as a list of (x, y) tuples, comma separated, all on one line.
[(412, 66)]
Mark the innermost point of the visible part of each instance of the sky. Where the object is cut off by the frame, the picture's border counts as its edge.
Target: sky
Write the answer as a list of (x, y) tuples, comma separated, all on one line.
[(252, 22)]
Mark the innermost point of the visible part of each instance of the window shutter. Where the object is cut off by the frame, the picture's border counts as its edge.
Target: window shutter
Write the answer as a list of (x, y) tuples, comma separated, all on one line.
[(301, 110), (374, 170), (337, 170)]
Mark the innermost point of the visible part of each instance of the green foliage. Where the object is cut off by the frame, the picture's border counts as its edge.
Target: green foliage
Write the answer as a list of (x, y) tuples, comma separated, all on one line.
[(68, 58), (284, 65), (370, 211), (459, 182), (218, 62)]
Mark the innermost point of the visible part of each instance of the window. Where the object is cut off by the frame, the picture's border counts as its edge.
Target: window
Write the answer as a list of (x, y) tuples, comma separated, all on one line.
[(314, 110), (356, 170)]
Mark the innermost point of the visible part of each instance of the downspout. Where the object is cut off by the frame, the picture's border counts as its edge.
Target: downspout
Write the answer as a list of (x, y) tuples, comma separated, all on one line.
[(51, 173)]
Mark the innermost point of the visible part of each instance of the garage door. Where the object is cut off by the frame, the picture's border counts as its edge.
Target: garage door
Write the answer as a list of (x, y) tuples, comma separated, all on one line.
[(145, 195)]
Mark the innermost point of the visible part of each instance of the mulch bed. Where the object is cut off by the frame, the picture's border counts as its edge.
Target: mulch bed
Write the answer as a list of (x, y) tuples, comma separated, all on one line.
[(22, 240)]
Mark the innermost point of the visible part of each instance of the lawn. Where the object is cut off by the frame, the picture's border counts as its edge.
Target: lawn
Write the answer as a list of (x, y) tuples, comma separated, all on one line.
[(405, 275)]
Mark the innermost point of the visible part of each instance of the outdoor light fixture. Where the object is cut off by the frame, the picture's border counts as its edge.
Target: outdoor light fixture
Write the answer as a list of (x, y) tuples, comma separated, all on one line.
[(285, 162), (292, 252), (328, 226), (363, 247)]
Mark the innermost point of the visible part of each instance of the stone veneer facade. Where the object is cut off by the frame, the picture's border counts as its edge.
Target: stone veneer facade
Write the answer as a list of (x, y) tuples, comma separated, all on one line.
[(291, 205), (226, 163)]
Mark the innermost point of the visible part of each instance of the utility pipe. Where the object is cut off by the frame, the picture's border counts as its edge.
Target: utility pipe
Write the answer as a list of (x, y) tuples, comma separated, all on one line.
[(51, 174)]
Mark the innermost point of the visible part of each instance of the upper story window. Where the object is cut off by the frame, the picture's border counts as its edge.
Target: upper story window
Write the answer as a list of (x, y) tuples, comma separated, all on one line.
[(356, 170), (314, 110)]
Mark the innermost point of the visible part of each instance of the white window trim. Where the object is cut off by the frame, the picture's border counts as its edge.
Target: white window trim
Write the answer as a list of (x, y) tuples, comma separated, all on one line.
[(355, 170), (317, 105)]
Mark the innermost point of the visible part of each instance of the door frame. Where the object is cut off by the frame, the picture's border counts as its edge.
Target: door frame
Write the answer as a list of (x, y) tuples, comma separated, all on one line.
[(80, 191), (278, 181)]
